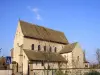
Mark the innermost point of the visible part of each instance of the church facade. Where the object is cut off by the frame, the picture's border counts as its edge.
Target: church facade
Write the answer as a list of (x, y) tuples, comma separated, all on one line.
[(37, 47)]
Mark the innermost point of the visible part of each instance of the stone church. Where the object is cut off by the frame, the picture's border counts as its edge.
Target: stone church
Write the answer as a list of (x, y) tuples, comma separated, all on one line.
[(36, 47)]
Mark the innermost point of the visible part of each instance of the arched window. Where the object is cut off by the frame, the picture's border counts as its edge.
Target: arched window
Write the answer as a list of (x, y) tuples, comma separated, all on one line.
[(77, 58), (55, 49), (86, 65), (42, 63), (45, 48), (32, 47), (50, 49), (39, 48)]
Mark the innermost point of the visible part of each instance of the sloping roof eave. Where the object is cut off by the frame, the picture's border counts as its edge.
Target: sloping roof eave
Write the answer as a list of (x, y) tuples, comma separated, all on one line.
[(68, 48), (42, 56), (65, 52), (45, 40), (35, 31)]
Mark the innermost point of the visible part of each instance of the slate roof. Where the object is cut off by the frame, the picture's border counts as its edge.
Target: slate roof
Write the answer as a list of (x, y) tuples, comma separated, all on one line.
[(43, 56), (42, 33), (68, 48)]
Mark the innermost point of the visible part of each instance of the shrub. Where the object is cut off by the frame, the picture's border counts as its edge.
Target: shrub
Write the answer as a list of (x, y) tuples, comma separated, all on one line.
[(59, 72), (92, 73)]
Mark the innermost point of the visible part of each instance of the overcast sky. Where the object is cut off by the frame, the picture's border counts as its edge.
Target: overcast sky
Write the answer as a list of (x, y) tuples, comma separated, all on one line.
[(78, 19)]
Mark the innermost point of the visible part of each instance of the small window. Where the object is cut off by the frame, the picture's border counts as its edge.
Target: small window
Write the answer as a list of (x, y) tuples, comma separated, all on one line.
[(42, 64), (86, 65), (50, 49), (45, 48), (78, 58), (24, 57), (39, 48), (55, 49), (32, 46)]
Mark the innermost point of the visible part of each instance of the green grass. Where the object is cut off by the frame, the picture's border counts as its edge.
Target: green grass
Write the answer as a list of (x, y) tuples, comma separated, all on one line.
[(92, 73)]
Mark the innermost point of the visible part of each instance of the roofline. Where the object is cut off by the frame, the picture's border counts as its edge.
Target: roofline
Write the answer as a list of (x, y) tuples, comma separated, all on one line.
[(71, 50), (40, 26), (47, 61), (45, 40), (86, 62), (65, 52)]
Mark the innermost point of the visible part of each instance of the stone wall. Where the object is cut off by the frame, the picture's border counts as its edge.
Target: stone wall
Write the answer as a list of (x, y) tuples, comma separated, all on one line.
[(5, 72), (78, 71)]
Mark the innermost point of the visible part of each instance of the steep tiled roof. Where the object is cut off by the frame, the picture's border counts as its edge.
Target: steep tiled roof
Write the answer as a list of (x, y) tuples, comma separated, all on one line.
[(68, 48), (42, 33), (43, 56)]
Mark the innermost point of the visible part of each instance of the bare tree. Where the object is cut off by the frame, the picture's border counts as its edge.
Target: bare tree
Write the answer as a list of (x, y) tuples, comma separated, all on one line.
[(98, 55), (0, 50)]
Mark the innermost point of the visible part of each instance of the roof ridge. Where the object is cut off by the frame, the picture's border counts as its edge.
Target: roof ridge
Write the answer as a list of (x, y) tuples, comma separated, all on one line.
[(40, 26)]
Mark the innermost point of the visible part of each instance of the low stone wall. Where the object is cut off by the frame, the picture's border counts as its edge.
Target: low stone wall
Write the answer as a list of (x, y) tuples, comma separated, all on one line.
[(69, 71), (5, 72), (79, 71)]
